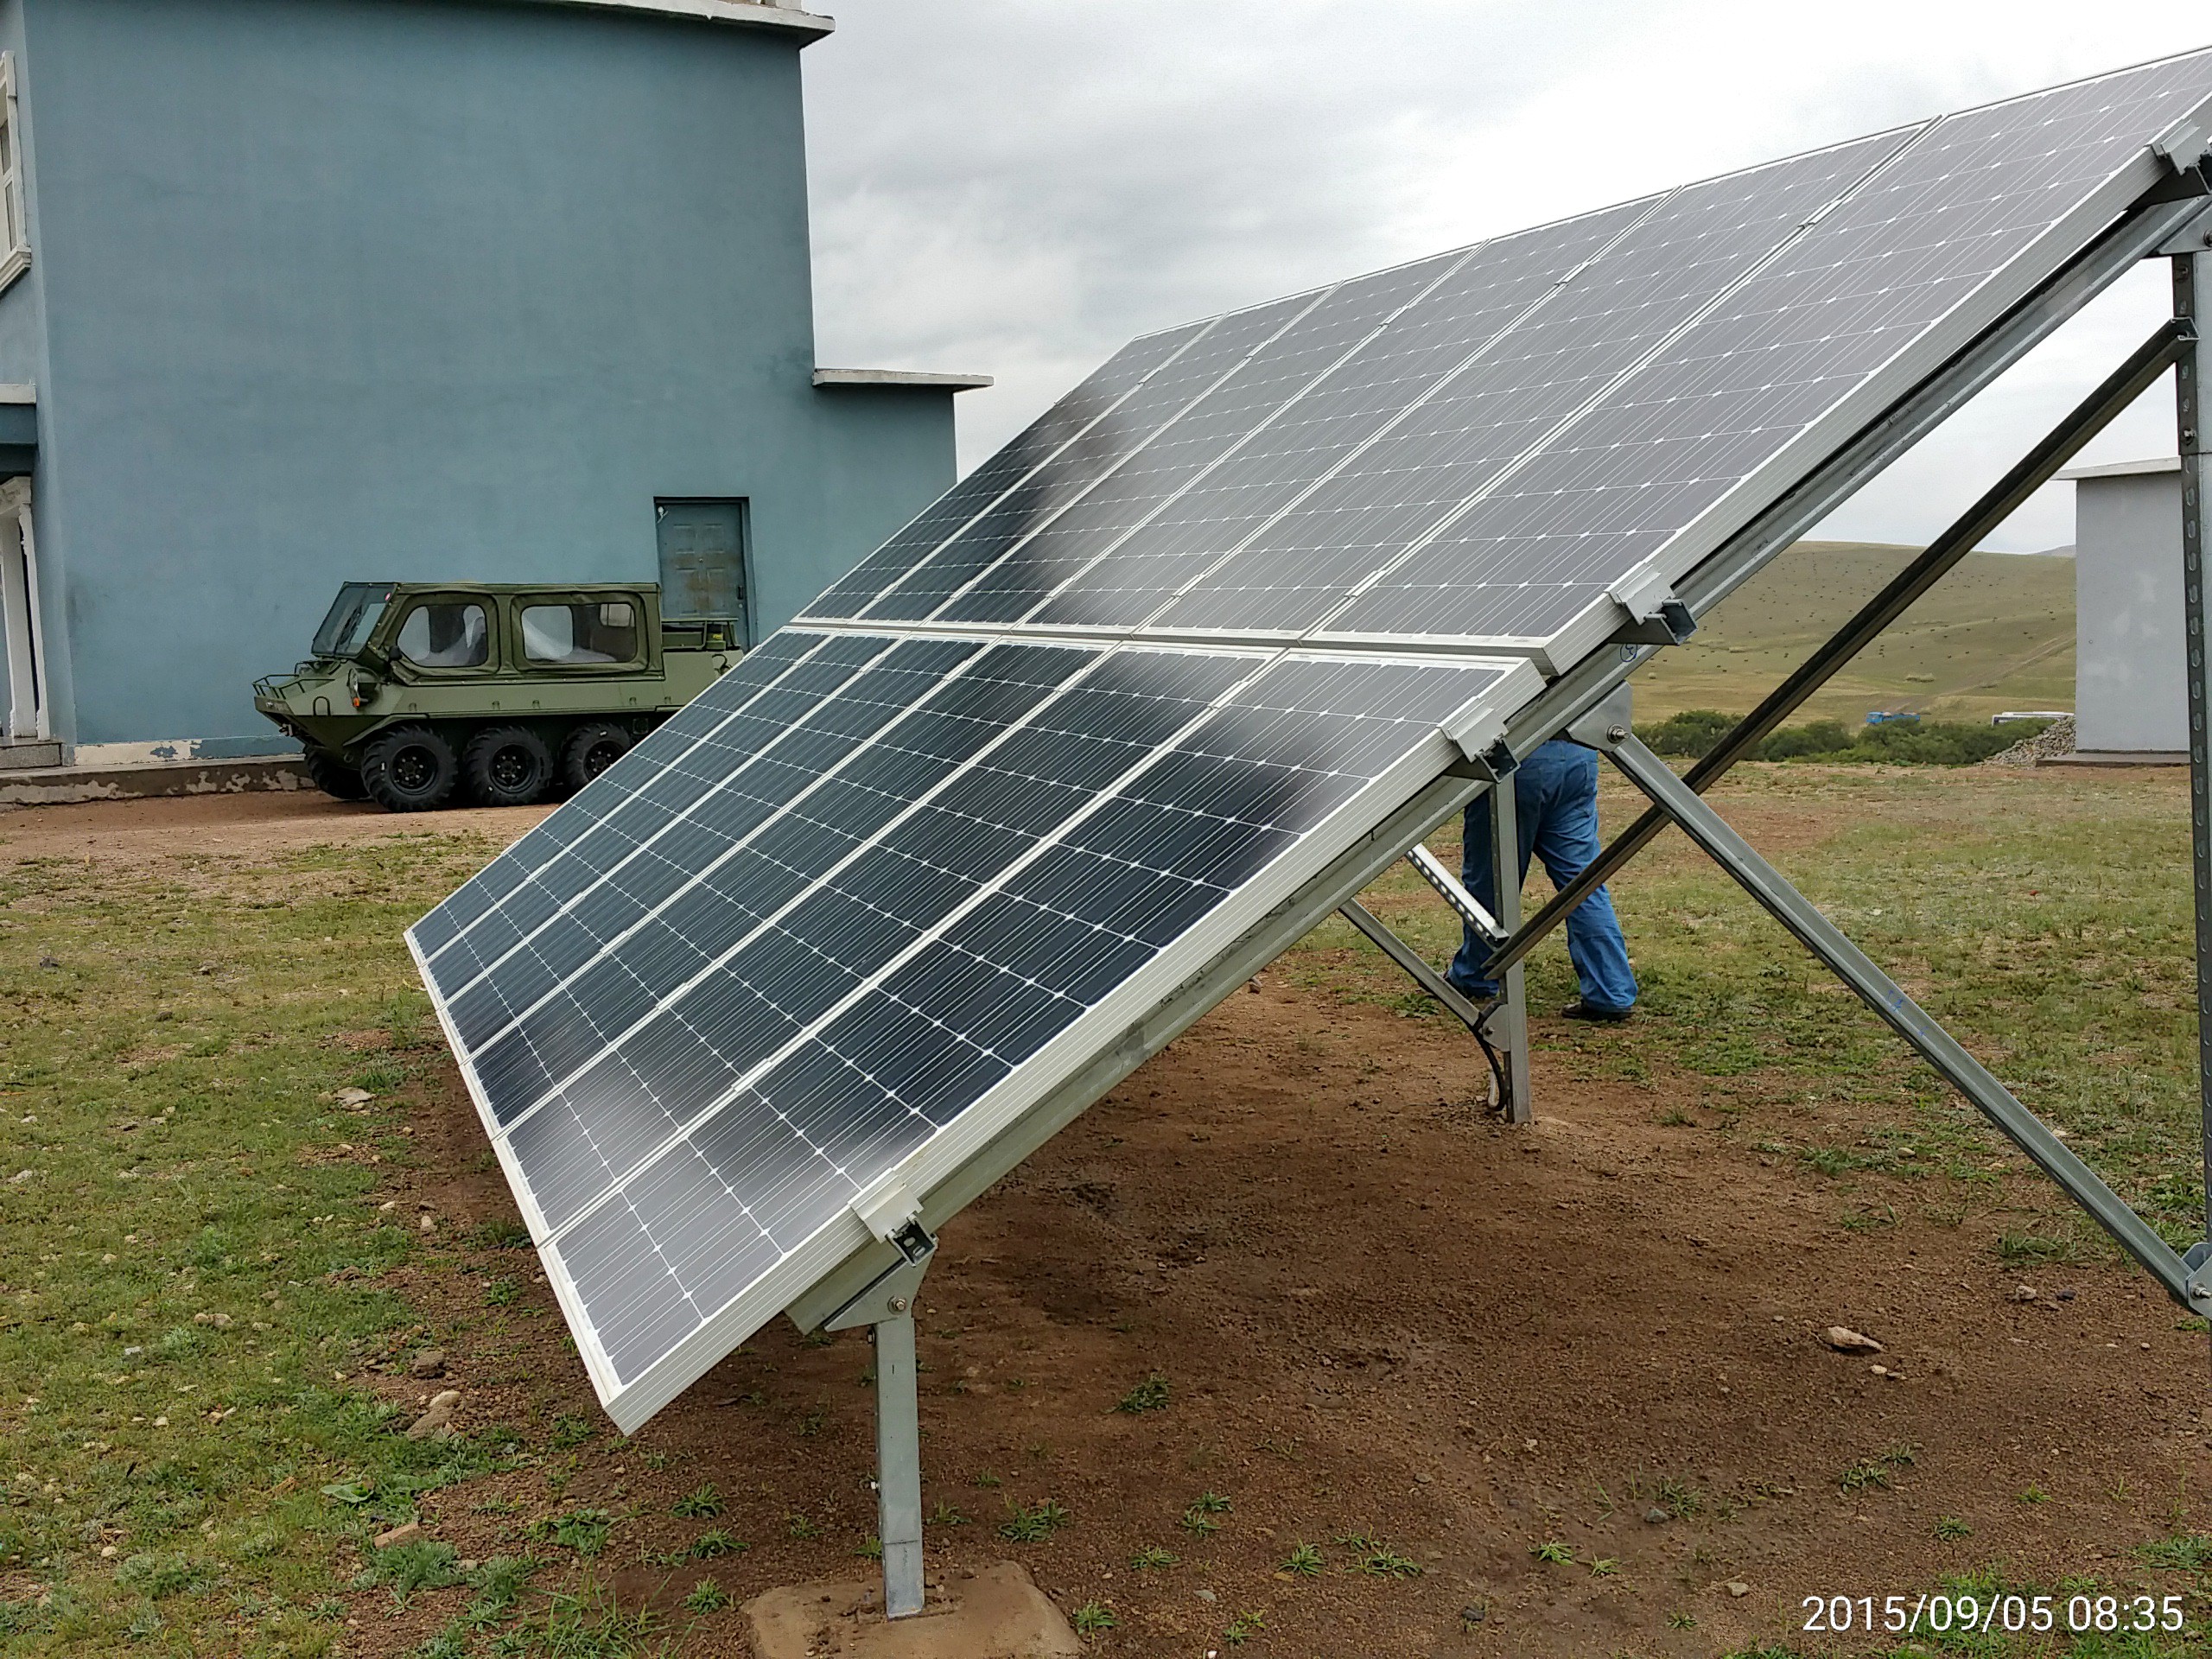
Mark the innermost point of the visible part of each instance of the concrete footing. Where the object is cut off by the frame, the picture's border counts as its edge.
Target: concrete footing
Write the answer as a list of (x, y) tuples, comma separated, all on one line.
[(59, 785), (997, 1613)]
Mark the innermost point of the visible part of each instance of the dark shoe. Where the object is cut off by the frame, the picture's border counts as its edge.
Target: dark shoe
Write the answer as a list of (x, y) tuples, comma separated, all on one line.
[(1578, 1009), (1472, 995)]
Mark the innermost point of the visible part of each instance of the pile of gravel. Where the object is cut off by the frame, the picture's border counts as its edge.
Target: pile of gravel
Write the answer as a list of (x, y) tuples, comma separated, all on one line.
[(2054, 740)]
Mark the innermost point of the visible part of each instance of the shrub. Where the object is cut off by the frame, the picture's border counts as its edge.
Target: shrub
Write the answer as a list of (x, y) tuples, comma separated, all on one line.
[(1695, 732)]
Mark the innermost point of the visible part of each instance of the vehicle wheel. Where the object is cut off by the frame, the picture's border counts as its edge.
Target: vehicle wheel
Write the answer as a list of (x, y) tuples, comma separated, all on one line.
[(332, 775), (507, 765), (591, 750), (409, 769)]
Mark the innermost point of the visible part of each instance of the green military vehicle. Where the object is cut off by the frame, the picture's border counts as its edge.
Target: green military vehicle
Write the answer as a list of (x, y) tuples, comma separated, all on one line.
[(415, 692)]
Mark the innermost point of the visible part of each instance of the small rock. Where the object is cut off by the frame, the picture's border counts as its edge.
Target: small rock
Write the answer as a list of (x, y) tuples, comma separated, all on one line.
[(2023, 1293), (220, 1321), (1737, 1587), (107, 1551), (436, 1422), (406, 1534), (469, 1565), (354, 1097), (47, 962), (161, 1422), (1208, 1595), (1845, 1340), (1253, 984), (21, 1176), (431, 1362), (1656, 1516), (445, 1397), (205, 968), (426, 1224), (1879, 1370), (2065, 1295), (1473, 1613)]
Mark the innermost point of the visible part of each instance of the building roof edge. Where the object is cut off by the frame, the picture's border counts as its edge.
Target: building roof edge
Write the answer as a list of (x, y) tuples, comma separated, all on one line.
[(745, 14), (2124, 468), (901, 378)]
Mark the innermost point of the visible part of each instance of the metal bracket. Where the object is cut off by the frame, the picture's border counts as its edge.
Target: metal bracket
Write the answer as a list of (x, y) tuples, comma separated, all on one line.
[(1607, 723), (2199, 1283), (1479, 732), (890, 1295), (2193, 238), (1657, 617), (1672, 627), (887, 1305)]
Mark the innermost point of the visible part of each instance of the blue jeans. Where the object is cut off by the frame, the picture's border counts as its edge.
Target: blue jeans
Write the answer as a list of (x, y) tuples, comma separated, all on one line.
[(1556, 802)]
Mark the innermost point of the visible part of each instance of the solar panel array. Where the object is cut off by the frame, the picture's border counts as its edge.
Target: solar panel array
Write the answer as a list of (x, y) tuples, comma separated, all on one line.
[(1122, 690)]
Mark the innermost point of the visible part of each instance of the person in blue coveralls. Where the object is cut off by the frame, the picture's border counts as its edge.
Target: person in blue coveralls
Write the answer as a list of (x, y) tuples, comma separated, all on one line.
[(1555, 802)]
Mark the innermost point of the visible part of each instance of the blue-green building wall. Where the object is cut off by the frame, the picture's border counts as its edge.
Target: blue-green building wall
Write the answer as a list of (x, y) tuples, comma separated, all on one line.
[(432, 290)]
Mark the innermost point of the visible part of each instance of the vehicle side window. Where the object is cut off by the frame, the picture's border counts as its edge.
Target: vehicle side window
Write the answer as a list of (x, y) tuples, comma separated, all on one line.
[(579, 635), (446, 634)]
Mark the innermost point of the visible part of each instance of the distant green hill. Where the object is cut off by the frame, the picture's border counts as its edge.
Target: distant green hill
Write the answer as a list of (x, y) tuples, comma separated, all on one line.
[(1998, 632)]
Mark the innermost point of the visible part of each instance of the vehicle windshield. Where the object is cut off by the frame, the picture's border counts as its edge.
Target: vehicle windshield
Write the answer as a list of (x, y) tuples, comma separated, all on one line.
[(352, 617)]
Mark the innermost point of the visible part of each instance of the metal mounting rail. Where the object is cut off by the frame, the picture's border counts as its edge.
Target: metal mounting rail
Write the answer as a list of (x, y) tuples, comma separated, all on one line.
[(1607, 730), (2121, 388)]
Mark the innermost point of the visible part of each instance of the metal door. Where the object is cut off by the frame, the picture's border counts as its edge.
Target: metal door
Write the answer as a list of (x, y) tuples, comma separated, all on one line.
[(702, 563)]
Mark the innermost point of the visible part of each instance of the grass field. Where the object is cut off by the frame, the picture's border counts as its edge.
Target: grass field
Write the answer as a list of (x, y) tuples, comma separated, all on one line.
[(1998, 632), (190, 1252)]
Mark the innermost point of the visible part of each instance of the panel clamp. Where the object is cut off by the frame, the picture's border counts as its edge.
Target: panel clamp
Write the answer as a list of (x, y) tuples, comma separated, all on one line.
[(1656, 616), (1478, 730)]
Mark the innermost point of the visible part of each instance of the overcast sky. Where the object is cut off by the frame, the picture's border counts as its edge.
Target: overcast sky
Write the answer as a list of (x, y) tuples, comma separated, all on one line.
[(1016, 187)]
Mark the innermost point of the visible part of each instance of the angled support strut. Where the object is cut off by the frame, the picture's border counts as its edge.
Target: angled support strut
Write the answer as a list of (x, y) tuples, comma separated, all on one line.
[(1411, 960), (1606, 729)]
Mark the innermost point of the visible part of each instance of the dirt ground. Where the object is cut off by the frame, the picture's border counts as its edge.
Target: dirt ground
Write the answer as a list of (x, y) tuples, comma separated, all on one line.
[(1380, 1316)]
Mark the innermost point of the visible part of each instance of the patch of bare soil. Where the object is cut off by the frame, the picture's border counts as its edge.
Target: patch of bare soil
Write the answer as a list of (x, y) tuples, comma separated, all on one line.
[(1383, 1316)]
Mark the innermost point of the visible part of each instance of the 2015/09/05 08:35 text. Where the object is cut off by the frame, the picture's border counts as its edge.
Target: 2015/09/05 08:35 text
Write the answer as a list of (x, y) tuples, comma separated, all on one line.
[(2077, 1614)]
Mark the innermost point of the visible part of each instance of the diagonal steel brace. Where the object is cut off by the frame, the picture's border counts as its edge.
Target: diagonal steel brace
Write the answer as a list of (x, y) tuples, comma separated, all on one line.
[(1607, 730)]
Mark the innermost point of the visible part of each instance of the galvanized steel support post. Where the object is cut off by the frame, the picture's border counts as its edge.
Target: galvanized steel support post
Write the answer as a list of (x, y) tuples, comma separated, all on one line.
[(886, 1305), (1508, 1026), (2193, 304), (899, 1465)]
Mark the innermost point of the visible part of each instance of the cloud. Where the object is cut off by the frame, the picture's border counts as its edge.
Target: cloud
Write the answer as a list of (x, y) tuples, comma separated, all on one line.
[(1017, 186)]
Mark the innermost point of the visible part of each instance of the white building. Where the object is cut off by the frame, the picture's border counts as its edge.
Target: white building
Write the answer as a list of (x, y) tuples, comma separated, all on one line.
[(2130, 695)]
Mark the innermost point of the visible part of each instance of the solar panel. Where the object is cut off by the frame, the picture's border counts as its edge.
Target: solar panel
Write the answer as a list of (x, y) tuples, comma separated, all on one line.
[(1112, 701), (1038, 842)]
